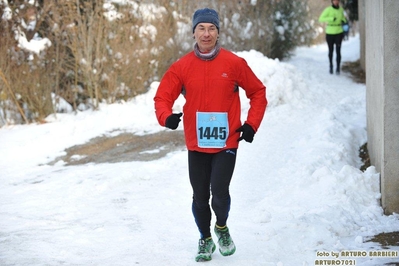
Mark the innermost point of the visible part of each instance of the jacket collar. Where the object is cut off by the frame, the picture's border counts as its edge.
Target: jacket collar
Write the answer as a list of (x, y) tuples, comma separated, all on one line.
[(208, 56)]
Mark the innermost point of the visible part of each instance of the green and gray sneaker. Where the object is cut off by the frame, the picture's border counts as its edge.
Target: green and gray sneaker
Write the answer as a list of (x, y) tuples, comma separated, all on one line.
[(226, 244), (205, 249)]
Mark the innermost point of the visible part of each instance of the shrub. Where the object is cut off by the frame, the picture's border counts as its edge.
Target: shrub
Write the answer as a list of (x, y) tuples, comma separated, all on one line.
[(104, 51)]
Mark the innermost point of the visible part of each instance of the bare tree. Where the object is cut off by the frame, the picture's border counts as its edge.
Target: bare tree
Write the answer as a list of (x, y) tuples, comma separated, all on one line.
[(112, 52)]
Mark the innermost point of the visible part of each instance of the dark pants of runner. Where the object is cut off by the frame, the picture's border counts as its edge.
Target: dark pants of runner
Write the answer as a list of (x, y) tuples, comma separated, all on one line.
[(334, 39), (211, 172)]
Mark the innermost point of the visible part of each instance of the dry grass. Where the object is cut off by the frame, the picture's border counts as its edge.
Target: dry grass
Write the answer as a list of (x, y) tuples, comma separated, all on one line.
[(125, 147), (355, 70)]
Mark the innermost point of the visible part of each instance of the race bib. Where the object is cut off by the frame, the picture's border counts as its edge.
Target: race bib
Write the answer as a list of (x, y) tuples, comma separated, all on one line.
[(212, 129)]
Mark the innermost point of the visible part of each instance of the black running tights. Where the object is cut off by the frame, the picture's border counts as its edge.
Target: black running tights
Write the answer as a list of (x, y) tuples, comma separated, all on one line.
[(334, 39), (211, 172)]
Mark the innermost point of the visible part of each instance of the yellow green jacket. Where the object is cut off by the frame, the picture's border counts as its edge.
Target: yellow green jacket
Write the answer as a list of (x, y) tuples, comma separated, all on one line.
[(334, 17)]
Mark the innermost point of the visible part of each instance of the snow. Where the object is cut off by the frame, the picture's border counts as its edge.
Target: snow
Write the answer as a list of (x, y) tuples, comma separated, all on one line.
[(297, 192)]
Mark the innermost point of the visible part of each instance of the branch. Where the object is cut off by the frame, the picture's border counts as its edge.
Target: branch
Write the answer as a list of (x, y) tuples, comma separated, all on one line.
[(13, 97)]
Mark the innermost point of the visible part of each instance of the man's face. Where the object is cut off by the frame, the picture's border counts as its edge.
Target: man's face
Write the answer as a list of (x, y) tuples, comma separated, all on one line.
[(206, 35)]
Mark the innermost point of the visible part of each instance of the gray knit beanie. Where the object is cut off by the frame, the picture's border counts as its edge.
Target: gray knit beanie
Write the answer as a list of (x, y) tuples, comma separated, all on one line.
[(205, 15)]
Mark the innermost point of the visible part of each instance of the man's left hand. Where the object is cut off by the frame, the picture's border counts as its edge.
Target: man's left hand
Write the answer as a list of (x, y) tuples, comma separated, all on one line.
[(247, 133)]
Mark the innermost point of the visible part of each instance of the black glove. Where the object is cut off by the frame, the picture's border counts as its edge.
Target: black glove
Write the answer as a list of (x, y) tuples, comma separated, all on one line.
[(247, 133), (173, 120)]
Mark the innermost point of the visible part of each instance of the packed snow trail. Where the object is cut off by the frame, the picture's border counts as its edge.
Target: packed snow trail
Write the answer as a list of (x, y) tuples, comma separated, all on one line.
[(296, 190)]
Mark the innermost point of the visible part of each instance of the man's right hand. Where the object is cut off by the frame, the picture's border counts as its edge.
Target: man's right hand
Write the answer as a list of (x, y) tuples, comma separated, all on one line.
[(173, 120)]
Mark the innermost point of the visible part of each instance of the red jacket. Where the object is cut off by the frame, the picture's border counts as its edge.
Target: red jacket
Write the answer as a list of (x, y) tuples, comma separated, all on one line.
[(211, 86)]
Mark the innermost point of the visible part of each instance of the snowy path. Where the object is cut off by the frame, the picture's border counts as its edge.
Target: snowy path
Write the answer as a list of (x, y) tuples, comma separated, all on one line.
[(296, 189)]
